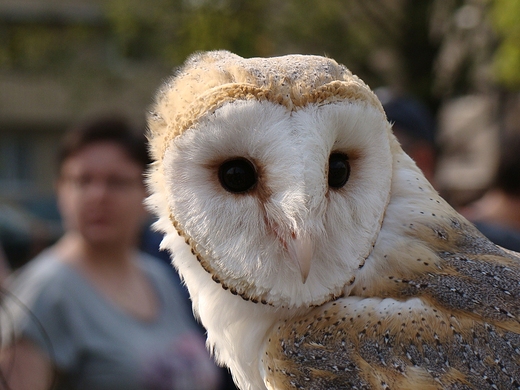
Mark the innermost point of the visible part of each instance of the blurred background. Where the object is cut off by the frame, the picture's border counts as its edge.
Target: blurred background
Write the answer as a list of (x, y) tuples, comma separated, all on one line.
[(63, 60)]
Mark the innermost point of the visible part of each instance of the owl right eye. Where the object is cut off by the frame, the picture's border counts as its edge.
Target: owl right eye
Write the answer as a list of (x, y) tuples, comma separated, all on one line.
[(237, 175), (339, 170)]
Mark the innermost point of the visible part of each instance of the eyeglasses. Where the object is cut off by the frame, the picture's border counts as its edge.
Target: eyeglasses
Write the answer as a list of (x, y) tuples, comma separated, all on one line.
[(116, 184)]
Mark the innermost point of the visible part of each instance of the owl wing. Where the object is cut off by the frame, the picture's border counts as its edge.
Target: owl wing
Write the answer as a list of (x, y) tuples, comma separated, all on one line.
[(456, 328), (376, 343)]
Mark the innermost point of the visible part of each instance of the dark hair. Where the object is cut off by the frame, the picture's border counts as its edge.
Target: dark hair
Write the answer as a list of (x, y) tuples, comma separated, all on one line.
[(411, 117), (111, 128), (508, 171)]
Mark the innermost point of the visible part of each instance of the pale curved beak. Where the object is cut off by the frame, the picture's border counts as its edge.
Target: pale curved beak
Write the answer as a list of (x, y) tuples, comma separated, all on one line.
[(300, 251)]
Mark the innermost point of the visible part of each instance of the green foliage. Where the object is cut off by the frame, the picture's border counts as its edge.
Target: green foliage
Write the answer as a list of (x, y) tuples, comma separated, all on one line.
[(170, 30), (384, 42), (506, 18), (349, 31)]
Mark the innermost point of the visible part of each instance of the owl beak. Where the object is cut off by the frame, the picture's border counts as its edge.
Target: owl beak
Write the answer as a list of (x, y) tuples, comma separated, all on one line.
[(300, 251)]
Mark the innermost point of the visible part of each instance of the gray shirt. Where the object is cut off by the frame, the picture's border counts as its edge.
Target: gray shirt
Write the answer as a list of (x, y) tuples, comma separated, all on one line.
[(97, 345)]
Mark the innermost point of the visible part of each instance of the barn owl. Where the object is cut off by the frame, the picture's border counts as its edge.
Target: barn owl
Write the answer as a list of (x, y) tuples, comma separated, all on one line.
[(316, 254)]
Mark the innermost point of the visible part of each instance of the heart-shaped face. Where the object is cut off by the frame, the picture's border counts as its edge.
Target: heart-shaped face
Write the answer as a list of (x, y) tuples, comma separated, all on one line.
[(275, 171)]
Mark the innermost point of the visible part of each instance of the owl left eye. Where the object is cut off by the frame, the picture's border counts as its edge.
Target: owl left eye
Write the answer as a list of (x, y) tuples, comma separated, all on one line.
[(237, 175), (339, 170)]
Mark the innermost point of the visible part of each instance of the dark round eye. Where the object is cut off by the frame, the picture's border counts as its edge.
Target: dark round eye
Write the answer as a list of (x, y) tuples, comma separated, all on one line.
[(339, 170), (237, 175)]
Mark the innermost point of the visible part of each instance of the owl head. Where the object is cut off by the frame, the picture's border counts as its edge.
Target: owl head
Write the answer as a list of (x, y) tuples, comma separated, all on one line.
[(275, 173)]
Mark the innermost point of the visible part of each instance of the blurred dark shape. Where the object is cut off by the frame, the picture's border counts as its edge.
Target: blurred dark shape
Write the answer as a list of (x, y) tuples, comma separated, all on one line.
[(411, 117), (508, 171), (414, 127), (5, 269), (500, 235), (24, 232)]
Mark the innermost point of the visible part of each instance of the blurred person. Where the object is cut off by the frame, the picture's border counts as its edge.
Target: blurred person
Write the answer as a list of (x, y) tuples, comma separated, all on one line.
[(91, 311), (497, 213), (414, 127)]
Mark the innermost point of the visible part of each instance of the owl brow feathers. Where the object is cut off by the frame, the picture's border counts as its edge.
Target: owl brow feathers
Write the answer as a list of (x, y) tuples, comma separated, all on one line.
[(292, 99)]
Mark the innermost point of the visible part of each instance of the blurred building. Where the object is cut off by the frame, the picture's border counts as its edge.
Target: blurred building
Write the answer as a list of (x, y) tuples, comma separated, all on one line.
[(38, 101)]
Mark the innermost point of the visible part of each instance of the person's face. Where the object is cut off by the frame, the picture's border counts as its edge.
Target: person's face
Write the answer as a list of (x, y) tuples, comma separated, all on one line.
[(100, 194)]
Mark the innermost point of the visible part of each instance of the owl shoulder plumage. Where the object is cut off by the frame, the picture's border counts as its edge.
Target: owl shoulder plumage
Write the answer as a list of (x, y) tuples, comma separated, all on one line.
[(385, 343)]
